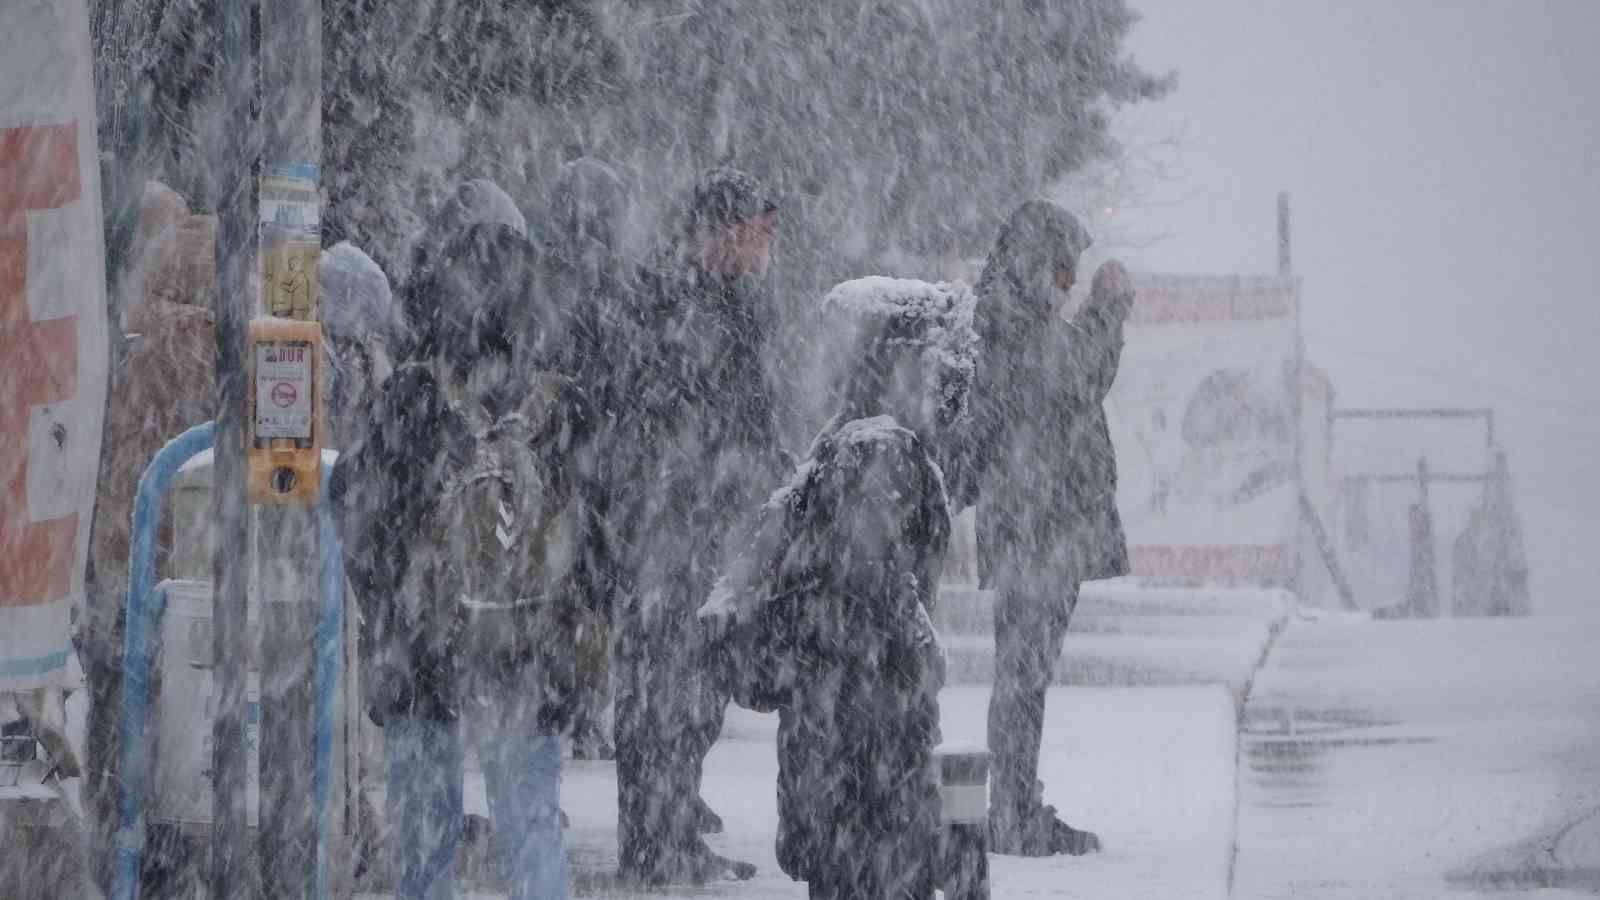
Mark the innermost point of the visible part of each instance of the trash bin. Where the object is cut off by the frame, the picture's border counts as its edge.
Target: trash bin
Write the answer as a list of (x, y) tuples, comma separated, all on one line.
[(963, 773)]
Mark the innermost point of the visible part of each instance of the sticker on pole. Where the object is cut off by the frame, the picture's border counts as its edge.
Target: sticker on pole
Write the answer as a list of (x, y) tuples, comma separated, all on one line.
[(291, 244), (283, 389)]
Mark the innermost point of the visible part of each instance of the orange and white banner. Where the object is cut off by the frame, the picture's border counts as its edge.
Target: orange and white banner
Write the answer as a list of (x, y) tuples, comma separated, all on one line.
[(52, 332)]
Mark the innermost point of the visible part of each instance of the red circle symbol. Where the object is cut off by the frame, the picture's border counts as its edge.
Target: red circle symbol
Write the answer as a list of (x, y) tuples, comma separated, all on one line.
[(283, 395)]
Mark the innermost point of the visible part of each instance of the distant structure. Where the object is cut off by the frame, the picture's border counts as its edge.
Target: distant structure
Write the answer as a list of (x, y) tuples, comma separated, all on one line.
[(1229, 471), (1488, 574)]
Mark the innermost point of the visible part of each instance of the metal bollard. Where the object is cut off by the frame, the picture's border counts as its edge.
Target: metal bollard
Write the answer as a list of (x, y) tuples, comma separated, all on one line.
[(962, 855)]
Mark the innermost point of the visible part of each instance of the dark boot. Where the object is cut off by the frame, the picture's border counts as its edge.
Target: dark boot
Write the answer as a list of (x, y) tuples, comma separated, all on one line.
[(709, 866), (1038, 832), (591, 745), (1071, 841), (706, 819)]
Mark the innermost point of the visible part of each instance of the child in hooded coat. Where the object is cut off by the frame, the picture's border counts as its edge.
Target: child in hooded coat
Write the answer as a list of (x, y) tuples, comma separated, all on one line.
[(826, 617)]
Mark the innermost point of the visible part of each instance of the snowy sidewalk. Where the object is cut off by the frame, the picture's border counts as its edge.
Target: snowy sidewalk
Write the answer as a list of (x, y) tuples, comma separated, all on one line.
[(1151, 769), (1125, 634), (1422, 759), (1140, 746)]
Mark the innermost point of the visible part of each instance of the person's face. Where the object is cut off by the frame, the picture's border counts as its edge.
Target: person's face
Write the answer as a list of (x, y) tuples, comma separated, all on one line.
[(741, 248), (1066, 277)]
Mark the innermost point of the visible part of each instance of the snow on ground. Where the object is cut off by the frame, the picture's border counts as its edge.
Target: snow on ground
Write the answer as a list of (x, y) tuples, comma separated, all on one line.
[(1126, 634), (1141, 749), (1402, 759), (1150, 769)]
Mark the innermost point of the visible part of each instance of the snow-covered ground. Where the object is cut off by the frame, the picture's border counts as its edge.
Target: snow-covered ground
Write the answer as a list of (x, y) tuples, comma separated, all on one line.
[(1140, 746), (1401, 759), (1127, 634), (1150, 769), (1422, 759)]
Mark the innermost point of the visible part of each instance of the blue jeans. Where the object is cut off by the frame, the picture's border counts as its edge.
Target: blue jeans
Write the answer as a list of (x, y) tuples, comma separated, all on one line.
[(522, 774)]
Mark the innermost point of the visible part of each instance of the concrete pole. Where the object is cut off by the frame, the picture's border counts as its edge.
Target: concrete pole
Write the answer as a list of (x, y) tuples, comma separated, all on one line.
[(270, 74), (1285, 261), (235, 159), (286, 550)]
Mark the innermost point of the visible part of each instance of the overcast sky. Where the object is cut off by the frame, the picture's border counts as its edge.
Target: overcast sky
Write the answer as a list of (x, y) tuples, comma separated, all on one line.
[(1442, 161)]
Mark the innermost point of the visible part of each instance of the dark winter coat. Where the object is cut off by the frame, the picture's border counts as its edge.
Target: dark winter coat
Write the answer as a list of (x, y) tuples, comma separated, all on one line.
[(826, 616), (592, 282), (846, 566), (605, 341), (1045, 467), (589, 277), (707, 372), (701, 419), (706, 382), (387, 484)]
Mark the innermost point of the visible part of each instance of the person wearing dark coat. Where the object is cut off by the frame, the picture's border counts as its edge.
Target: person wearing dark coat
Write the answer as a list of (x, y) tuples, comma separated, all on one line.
[(1045, 472), (472, 355), (592, 280), (705, 452), (827, 616)]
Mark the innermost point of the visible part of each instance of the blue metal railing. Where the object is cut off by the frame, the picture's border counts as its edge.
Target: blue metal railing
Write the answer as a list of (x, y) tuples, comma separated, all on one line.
[(142, 647)]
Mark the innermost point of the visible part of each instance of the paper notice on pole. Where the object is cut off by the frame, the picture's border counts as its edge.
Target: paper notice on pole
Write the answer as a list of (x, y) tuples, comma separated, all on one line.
[(291, 242), (283, 389)]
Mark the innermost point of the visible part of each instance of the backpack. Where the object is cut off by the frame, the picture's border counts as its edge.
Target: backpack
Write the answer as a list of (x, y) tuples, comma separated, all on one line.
[(506, 531)]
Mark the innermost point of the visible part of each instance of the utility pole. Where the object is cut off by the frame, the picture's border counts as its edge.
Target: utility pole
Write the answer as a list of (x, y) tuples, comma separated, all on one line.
[(286, 549), (1296, 401), (268, 443), (1285, 261), (235, 162)]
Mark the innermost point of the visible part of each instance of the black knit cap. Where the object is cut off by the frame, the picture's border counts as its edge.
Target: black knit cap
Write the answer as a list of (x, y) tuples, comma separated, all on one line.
[(724, 196)]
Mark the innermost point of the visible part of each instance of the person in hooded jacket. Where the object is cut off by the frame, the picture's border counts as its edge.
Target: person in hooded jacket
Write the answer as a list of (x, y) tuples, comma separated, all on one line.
[(592, 281), (358, 321), (470, 342), (705, 451), (827, 616), (1045, 470)]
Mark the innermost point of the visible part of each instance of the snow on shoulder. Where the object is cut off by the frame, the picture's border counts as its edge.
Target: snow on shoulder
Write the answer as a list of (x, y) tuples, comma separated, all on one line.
[(874, 430)]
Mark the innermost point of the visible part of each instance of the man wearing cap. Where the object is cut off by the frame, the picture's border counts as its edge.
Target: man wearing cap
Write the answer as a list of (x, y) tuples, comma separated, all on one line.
[(706, 451)]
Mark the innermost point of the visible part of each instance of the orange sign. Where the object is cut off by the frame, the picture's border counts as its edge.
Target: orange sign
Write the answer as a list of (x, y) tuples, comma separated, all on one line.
[(38, 170)]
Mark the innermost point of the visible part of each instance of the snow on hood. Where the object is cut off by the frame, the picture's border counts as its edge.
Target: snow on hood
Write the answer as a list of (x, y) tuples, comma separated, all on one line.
[(933, 317), (874, 430), (588, 204), (357, 302), (480, 201)]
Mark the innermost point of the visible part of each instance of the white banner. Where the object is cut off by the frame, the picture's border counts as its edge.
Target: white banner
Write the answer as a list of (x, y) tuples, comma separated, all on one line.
[(1202, 416), (52, 332)]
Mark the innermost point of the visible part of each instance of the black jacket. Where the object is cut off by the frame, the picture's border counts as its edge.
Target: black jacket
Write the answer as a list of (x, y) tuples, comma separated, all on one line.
[(387, 483), (1045, 467), (827, 618), (711, 333), (700, 433)]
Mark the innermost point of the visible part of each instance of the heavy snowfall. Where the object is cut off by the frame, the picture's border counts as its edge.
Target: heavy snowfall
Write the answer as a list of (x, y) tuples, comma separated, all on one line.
[(856, 450)]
